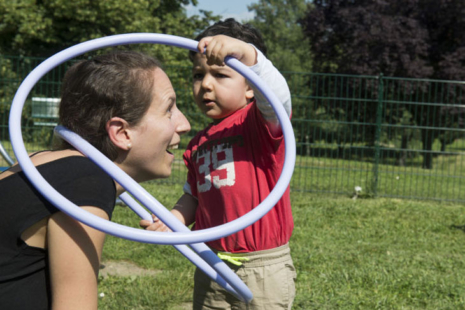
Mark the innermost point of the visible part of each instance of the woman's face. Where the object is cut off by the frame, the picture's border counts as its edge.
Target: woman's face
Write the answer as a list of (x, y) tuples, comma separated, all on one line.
[(157, 133)]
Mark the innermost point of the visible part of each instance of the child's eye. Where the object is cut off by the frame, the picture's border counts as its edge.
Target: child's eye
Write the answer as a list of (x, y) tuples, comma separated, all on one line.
[(197, 76), (221, 76)]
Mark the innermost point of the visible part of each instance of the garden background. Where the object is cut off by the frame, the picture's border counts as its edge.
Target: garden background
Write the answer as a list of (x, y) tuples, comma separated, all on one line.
[(377, 91)]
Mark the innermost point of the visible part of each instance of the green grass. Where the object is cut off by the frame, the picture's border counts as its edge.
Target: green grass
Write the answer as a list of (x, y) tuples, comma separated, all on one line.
[(378, 254), (445, 181), (364, 254), (324, 172), (349, 254)]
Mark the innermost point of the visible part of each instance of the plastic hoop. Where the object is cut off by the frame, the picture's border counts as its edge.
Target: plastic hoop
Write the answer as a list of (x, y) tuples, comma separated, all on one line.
[(176, 238)]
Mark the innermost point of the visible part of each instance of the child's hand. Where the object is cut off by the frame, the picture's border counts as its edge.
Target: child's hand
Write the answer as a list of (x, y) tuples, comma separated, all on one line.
[(220, 46), (157, 225)]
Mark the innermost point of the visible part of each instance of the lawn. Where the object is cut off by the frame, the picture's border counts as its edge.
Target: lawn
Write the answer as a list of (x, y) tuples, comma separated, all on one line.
[(349, 254), (383, 253)]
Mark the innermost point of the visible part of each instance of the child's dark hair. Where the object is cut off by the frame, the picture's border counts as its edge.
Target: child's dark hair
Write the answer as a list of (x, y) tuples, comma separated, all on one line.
[(119, 84), (231, 28)]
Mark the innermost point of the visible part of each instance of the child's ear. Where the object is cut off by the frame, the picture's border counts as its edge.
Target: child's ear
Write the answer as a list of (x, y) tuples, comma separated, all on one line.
[(119, 133), (249, 93)]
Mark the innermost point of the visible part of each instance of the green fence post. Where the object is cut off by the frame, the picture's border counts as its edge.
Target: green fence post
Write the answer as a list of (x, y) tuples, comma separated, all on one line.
[(379, 114)]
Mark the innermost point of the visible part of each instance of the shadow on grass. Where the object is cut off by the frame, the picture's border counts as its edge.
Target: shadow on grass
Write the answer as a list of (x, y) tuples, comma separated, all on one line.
[(459, 227), (392, 157)]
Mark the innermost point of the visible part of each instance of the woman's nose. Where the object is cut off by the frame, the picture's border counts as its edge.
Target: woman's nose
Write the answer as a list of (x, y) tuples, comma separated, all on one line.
[(182, 124)]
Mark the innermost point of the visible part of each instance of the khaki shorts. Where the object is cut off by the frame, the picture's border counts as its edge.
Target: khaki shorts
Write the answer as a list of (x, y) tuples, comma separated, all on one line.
[(269, 274)]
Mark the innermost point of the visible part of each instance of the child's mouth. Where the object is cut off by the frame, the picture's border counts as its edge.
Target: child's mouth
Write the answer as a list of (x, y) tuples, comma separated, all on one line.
[(208, 102)]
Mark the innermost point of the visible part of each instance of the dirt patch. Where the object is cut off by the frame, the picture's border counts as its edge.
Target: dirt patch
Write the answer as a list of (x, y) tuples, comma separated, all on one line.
[(184, 306), (127, 269), (124, 269)]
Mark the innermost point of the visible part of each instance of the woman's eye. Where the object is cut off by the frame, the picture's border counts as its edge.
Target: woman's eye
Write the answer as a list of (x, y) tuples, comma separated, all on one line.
[(170, 109)]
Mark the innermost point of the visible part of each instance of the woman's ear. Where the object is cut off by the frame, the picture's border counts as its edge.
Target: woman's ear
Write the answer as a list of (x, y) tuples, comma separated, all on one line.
[(119, 133)]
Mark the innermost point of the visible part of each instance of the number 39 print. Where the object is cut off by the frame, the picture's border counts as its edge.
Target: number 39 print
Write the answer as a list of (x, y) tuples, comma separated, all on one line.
[(216, 167)]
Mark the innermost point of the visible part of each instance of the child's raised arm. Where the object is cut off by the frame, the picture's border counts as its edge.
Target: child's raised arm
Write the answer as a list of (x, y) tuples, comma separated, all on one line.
[(265, 69)]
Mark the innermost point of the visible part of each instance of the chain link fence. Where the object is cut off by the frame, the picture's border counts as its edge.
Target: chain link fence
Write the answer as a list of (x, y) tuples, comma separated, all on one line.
[(360, 136)]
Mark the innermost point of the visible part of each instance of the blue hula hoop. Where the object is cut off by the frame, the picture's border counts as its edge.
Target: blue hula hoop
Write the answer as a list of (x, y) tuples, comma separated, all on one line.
[(181, 234)]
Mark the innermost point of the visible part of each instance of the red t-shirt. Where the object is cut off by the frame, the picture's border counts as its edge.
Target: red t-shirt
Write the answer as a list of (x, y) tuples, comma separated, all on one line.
[(232, 167)]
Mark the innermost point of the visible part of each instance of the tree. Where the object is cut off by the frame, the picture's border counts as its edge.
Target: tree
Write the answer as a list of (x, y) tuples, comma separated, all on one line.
[(43, 27), (401, 38), (277, 20)]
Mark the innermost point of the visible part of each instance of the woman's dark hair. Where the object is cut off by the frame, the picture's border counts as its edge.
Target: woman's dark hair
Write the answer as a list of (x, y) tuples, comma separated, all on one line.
[(118, 84), (231, 28)]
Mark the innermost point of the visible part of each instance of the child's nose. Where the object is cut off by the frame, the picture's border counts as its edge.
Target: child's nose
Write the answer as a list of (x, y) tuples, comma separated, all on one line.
[(207, 82)]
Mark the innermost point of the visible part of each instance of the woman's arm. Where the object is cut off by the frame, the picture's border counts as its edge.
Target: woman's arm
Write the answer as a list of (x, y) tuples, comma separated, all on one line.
[(74, 255)]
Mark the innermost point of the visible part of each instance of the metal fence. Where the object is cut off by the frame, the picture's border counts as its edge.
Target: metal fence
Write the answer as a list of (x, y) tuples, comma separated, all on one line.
[(387, 137)]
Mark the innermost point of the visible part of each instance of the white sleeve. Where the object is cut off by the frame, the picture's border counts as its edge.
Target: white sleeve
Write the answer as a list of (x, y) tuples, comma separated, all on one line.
[(273, 78), (187, 189)]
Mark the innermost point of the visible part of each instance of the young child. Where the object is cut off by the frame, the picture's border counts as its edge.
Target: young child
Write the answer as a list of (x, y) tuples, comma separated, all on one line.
[(233, 164)]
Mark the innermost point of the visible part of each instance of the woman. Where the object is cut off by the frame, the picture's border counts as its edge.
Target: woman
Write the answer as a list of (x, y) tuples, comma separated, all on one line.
[(118, 102)]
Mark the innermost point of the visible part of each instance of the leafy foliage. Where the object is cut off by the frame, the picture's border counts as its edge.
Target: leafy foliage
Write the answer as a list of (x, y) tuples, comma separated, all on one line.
[(403, 38), (42, 28), (399, 38), (277, 21)]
